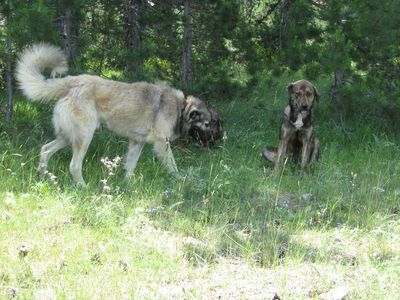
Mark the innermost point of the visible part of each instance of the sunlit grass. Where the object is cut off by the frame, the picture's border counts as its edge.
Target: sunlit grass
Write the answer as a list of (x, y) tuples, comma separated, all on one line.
[(158, 235)]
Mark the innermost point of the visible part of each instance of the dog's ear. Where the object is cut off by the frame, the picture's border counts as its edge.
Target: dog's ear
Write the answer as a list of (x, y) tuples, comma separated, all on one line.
[(191, 111), (316, 94), (290, 88), (217, 125)]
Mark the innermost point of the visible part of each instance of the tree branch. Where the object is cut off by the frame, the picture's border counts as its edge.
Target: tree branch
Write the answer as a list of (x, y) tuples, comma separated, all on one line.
[(270, 10)]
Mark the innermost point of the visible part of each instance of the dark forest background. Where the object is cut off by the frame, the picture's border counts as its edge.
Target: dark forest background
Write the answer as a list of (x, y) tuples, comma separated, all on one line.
[(216, 49)]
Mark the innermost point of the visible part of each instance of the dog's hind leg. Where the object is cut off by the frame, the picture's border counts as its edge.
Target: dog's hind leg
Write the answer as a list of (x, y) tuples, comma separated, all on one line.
[(163, 150), (76, 119), (281, 154), (132, 157), (47, 152), (79, 148)]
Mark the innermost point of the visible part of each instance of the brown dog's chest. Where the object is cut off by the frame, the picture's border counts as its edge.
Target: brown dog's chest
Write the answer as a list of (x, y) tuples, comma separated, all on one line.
[(295, 142)]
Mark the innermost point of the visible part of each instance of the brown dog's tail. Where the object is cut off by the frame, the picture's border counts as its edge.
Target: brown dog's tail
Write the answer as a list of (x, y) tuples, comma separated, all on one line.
[(269, 153), (29, 72)]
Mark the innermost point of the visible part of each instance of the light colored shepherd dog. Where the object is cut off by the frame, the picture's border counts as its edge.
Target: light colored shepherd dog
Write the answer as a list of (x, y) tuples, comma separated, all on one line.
[(143, 112)]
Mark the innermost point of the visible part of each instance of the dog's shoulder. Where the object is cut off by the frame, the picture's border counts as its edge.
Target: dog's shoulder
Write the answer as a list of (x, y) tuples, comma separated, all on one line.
[(170, 95), (286, 115), (286, 111)]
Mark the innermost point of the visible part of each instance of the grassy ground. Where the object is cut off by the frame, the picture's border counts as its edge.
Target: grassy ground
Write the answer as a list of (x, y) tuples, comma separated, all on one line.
[(229, 229)]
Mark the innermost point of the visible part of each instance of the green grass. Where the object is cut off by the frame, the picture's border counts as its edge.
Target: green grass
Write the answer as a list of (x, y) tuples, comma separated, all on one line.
[(229, 228)]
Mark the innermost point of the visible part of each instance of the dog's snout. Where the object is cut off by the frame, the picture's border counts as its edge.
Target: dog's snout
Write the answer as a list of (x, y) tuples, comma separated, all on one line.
[(304, 107)]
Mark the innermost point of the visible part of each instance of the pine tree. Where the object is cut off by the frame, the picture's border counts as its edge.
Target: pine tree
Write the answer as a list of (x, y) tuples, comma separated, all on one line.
[(187, 45), (133, 34), (69, 15), (9, 62), (24, 23)]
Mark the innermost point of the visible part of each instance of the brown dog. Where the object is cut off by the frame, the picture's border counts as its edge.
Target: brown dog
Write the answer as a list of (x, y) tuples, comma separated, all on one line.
[(296, 136)]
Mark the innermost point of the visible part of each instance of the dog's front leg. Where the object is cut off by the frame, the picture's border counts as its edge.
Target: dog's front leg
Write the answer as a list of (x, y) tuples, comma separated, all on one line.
[(132, 157), (281, 153), (284, 136), (305, 151), (163, 149)]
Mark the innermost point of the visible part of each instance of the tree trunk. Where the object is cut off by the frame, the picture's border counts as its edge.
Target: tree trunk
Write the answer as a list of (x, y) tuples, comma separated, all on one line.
[(10, 102), (133, 35), (10, 96), (285, 20), (337, 86), (69, 31), (187, 46)]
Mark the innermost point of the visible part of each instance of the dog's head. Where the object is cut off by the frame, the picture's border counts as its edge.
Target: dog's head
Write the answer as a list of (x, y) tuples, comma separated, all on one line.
[(204, 125), (302, 95), (214, 132)]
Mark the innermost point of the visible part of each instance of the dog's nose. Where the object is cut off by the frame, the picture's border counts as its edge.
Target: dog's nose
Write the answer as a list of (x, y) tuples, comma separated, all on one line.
[(304, 107)]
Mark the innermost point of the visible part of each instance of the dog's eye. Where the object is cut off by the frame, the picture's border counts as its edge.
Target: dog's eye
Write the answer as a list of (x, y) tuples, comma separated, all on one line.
[(194, 115)]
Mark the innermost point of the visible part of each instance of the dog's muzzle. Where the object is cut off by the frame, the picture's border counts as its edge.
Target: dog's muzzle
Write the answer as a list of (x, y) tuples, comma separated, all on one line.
[(209, 136), (211, 132), (201, 137), (205, 138)]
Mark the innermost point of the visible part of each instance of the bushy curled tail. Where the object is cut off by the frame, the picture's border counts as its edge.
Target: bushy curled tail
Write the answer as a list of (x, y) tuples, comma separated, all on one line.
[(29, 72)]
